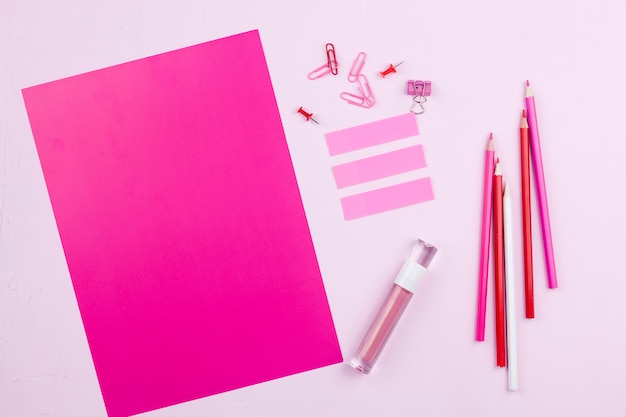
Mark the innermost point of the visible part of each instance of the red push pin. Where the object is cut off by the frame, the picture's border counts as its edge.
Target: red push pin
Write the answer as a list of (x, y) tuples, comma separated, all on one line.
[(309, 116), (391, 69)]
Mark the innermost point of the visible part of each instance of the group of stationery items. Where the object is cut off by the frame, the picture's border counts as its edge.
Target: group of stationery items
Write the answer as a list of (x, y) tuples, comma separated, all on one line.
[(497, 209), (364, 97)]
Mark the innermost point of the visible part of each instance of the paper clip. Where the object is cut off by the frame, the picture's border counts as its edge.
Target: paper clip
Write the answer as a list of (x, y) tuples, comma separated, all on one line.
[(309, 116), (366, 90), (392, 68), (357, 65), (366, 99), (331, 57), (319, 72), (419, 90)]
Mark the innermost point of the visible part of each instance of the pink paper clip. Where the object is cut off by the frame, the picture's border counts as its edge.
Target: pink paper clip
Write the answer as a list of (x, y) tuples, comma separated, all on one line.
[(365, 99), (319, 72), (357, 65), (391, 69), (419, 90), (331, 57), (366, 90)]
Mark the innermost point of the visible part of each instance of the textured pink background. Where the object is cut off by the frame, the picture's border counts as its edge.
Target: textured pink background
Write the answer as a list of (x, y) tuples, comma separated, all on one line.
[(478, 55)]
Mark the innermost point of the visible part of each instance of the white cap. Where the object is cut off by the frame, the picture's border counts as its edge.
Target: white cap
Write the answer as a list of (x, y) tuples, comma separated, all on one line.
[(415, 265)]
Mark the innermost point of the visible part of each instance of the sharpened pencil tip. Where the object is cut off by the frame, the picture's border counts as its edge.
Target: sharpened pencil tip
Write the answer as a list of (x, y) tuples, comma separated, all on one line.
[(524, 113), (490, 143), (527, 83), (497, 170)]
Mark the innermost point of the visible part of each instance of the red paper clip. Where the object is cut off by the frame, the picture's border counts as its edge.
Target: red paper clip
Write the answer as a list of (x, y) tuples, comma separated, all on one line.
[(331, 57), (309, 116), (391, 69), (357, 65)]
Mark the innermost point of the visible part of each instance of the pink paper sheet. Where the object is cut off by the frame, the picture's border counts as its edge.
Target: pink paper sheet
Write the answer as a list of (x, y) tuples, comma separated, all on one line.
[(388, 198), (182, 225), (371, 134), (379, 166)]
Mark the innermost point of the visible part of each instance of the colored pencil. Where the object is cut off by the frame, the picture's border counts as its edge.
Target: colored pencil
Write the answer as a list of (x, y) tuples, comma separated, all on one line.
[(498, 257), (485, 239), (535, 147), (526, 218), (511, 331)]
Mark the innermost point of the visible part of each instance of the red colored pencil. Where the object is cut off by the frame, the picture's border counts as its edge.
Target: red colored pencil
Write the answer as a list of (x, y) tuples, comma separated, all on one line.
[(498, 259), (526, 218)]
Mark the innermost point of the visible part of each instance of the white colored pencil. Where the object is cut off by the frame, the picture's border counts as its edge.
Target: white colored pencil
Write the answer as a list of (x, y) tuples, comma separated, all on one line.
[(511, 332)]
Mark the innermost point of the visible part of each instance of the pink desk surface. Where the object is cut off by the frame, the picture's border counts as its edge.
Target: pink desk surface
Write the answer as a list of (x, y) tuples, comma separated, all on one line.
[(477, 55)]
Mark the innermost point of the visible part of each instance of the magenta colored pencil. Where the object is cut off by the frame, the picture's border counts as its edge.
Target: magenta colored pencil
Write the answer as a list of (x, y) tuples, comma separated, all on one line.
[(484, 241), (535, 149)]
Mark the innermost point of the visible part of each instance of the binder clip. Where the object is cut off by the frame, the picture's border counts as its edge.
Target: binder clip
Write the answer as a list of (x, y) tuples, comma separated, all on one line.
[(419, 90), (331, 66)]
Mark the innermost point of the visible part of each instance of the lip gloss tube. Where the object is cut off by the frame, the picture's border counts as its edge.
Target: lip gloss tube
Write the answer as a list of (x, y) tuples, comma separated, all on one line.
[(403, 288)]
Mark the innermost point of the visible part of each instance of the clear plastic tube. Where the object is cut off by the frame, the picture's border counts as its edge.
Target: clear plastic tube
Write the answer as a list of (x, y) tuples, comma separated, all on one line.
[(394, 305)]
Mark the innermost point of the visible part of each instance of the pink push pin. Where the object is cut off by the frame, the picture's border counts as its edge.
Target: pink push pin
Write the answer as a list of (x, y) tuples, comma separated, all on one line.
[(309, 116), (391, 69)]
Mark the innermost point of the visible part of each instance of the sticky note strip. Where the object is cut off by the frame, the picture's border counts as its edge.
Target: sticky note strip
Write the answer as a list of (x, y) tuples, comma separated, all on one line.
[(371, 134), (182, 225), (388, 198), (379, 166)]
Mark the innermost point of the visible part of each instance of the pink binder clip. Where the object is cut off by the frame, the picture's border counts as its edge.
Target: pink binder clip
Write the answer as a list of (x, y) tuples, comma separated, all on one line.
[(357, 65), (419, 90), (366, 98)]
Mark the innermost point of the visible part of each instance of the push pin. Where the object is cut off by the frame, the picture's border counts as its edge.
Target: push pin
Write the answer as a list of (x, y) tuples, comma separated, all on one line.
[(309, 116), (392, 68)]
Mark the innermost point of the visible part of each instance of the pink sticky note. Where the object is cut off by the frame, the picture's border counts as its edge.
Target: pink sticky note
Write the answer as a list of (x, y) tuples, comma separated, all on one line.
[(388, 198), (182, 225), (379, 166), (371, 134)]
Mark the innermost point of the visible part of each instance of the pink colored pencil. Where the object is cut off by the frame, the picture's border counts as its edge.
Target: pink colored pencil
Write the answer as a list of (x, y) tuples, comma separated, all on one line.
[(535, 148), (484, 241)]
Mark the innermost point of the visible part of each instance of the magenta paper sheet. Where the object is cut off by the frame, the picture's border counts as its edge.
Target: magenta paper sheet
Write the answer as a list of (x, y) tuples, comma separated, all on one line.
[(372, 134), (182, 225), (379, 166), (387, 198)]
